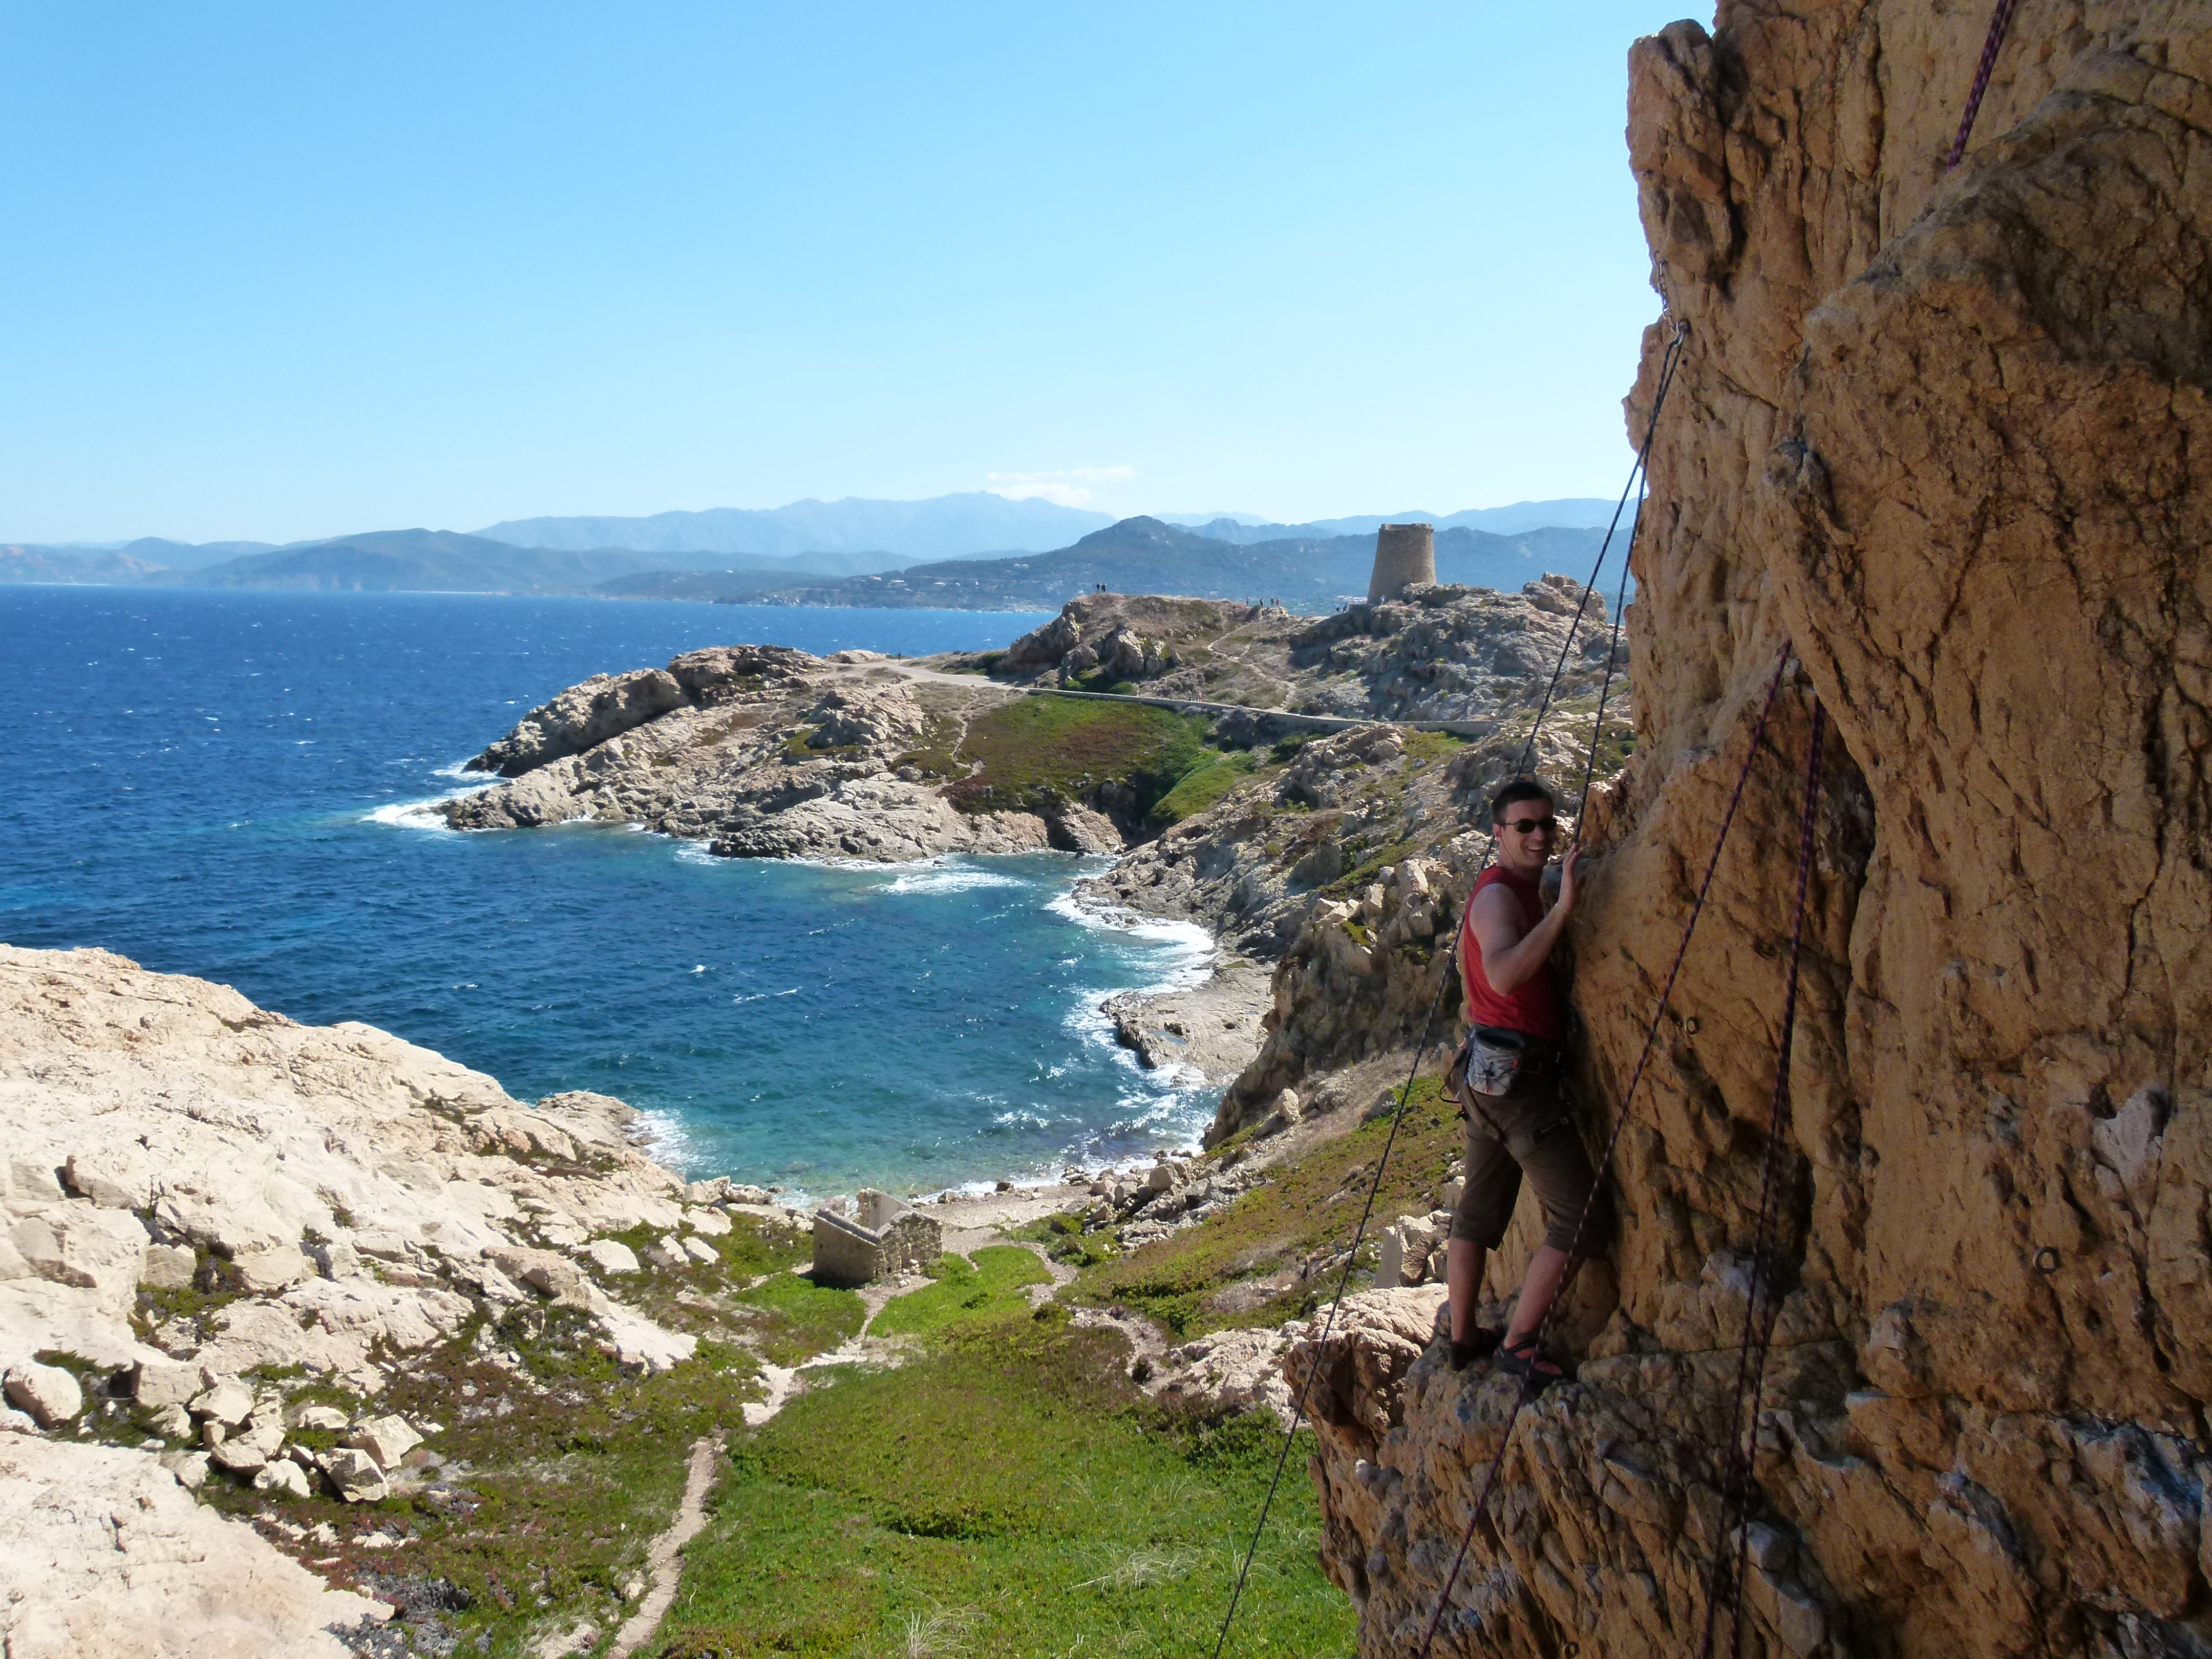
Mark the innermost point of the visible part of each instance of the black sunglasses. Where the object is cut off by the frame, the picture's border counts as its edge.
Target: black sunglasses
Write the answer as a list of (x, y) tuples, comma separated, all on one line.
[(1527, 826)]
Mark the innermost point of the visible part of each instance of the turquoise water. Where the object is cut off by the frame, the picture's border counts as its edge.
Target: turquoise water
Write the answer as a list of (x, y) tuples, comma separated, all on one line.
[(229, 784)]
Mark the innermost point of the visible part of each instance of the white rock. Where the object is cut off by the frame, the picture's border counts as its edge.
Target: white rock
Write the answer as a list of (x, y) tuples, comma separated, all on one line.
[(667, 1252), (282, 1475), (173, 1422), (48, 1393), (612, 1255), (114, 1178), (168, 1381), (355, 1473), (336, 1258), (190, 1468), (227, 1401), (386, 1439), (701, 1252), (169, 1268), (316, 1419)]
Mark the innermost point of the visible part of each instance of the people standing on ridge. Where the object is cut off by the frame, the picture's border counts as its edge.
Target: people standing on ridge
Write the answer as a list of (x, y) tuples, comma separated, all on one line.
[(1507, 1079)]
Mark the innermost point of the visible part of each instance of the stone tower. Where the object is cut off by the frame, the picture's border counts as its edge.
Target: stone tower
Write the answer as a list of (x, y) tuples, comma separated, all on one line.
[(1403, 553)]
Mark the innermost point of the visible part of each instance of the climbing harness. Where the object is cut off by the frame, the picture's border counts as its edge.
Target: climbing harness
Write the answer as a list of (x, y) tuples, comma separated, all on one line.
[(1764, 1302), (1667, 365), (1532, 1382), (1999, 23)]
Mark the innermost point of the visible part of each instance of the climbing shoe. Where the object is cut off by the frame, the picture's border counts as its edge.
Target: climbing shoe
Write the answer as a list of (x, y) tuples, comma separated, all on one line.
[(1524, 1359), (1480, 1346)]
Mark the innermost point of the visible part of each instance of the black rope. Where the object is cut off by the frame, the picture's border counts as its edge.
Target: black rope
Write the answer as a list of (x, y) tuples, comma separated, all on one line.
[(1635, 478), (1621, 600), (1532, 1381), (1428, 1026), (1764, 1305)]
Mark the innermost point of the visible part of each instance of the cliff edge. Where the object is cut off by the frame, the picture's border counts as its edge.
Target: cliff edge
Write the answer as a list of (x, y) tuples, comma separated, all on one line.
[(1940, 433)]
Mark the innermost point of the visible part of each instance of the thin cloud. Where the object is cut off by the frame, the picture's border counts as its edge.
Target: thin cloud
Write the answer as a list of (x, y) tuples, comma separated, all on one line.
[(1068, 487)]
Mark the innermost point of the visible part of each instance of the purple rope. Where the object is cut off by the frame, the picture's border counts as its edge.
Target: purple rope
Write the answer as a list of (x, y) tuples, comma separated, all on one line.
[(1529, 1383), (1998, 25)]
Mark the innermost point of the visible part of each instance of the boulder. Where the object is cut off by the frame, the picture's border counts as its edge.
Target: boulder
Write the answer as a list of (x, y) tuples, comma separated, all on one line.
[(190, 1468), (50, 1395), (612, 1255), (227, 1401), (386, 1439), (168, 1381), (322, 1420), (282, 1475), (713, 1223), (667, 1252), (169, 1268), (353, 1474), (701, 1252), (116, 1178)]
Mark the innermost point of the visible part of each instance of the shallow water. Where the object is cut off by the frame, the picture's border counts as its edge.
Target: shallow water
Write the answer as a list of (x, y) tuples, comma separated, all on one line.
[(228, 785)]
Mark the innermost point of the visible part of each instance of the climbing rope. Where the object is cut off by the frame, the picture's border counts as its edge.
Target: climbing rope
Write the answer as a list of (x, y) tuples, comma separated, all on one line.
[(1999, 23), (1621, 600), (1532, 1381), (1764, 1302), (1635, 474), (1667, 366)]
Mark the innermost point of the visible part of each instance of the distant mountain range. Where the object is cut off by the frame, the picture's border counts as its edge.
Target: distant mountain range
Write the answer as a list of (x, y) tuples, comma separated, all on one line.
[(1308, 566), (942, 527), (1146, 555), (1571, 512)]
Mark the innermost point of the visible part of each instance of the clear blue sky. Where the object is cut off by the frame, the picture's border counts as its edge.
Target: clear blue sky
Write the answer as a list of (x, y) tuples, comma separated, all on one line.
[(291, 270)]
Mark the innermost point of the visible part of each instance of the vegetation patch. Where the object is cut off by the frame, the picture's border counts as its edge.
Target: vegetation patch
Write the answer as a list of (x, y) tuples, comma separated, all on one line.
[(991, 1285), (1039, 750), (794, 1319), (1204, 786), (1301, 1219), (1008, 1493)]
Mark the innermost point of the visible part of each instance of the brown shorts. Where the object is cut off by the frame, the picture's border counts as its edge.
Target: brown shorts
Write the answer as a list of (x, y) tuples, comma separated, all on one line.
[(1529, 1130)]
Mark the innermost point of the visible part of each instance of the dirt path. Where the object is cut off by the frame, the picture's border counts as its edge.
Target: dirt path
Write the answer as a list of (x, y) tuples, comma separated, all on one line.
[(661, 1560)]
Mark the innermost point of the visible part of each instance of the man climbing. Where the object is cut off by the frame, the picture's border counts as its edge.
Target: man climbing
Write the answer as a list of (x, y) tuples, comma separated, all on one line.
[(1507, 1075)]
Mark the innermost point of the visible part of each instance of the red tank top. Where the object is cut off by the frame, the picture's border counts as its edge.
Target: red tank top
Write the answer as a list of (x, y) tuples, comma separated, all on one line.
[(1533, 1008)]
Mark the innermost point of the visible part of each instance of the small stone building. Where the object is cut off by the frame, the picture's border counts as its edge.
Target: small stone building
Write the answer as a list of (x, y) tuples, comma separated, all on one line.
[(1404, 553), (886, 1238)]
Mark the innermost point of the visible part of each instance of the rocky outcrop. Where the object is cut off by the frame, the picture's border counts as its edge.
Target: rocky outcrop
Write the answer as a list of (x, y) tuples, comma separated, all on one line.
[(761, 751), (110, 1558), (1934, 431), (208, 1210), (1469, 655)]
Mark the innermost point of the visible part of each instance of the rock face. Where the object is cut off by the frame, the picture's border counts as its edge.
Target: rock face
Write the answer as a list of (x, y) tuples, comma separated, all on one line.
[(344, 1200), (110, 1558), (1426, 652), (1940, 433), (760, 751)]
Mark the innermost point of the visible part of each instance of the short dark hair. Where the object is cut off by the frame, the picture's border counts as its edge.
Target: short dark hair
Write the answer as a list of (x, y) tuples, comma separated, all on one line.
[(1519, 789)]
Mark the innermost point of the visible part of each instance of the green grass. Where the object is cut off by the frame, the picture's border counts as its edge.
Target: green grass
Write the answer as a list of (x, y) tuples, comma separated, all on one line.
[(1037, 750), (559, 1479), (1203, 785), (795, 1319), (992, 1283), (1305, 1209), (1011, 1494)]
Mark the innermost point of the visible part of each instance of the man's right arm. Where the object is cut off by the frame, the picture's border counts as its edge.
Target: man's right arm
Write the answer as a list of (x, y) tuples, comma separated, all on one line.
[(1510, 958)]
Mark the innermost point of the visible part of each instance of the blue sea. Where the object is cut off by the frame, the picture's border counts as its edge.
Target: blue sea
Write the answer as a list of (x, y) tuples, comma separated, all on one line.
[(230, 785)]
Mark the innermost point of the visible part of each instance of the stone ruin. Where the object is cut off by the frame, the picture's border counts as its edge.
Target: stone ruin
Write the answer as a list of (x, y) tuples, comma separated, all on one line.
[(1404, 554), (887, 1238)]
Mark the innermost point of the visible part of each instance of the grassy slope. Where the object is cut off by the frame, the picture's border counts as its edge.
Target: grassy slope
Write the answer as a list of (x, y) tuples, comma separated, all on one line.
[(1306, 1211), (1034, 749), (1008, 1492)]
